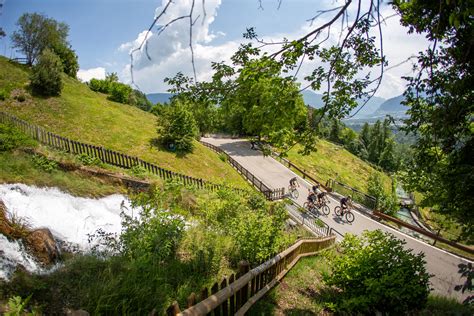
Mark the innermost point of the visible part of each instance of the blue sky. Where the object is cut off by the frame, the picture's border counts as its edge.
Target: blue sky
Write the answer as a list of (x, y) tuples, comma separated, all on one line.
[(103, 31)]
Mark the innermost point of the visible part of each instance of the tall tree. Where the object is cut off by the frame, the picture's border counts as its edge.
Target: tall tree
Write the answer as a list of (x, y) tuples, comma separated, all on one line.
[(37, 32), (441, 101)]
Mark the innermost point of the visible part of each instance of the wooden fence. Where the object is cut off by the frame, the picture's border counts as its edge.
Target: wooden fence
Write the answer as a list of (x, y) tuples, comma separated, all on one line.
[(270, 194), (235, 295), (105, 155), (303, 172)]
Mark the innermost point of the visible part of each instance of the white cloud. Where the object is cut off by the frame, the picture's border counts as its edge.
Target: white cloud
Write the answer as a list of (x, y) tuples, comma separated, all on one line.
[(170, 51), (87, 74)]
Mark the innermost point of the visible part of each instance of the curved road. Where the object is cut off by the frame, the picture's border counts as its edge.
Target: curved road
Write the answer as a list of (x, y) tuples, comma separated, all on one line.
[(441, 264)]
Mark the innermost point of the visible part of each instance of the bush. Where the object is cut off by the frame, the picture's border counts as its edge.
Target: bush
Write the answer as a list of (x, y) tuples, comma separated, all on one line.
[(376, 274), (138, 171), (46, 76), (87, 160), (20, 98), (44, 163), (119, 92), (11, 138), (3, 95), (98, 85), (177, 128)]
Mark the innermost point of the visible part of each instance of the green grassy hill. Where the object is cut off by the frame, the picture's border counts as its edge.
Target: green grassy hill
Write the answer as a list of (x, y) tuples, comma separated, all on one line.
[(87, 116), (332, 161)]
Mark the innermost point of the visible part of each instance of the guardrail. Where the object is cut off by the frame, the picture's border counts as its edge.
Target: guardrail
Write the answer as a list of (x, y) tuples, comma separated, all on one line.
[(424, 232), (275, 194), (105, 155), (358, 196), (303, 172), (235, 296)]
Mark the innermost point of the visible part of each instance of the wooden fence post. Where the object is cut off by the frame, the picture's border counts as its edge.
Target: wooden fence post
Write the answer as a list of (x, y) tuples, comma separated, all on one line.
[(242, 295), (173, 309)]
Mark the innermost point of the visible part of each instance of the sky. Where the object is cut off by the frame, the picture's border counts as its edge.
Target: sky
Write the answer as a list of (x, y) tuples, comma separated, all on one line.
[(103, 32)]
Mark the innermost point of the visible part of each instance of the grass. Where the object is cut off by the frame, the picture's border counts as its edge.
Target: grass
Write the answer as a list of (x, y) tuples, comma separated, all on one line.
[(297, 293), (331, 161), (18, 167), (87, 116)]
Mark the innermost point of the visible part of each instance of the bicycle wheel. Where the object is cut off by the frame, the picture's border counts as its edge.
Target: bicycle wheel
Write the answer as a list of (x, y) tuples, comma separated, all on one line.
[(325, 209), (349, 217), (295, 194), (338, 211)]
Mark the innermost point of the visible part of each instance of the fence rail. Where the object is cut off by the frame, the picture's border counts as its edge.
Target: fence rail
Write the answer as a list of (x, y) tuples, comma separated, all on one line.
[(303, 172), (235, 295), (105, 155), (358, 196), (270, 194)]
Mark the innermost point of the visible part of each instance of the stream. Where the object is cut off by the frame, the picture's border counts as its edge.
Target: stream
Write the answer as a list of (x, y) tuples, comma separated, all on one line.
[(69, 219)]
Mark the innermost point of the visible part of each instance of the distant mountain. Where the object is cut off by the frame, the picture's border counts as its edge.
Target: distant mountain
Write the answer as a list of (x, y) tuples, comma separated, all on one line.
[(159, 97), (393, 107), (315, 100)]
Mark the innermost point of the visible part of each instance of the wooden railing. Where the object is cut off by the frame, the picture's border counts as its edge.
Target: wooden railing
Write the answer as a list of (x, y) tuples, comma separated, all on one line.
[(105, 155), (366, 200), (422, 231), (235, 296), (270, 194), (303, 172)]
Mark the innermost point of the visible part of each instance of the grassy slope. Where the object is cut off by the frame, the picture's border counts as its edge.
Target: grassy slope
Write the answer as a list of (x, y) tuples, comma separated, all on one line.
[(84, 115), (18, 167), (331, 160)]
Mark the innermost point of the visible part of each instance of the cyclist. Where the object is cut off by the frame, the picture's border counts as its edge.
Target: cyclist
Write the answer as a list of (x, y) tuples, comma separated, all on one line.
[(346, 202), (321, 197), (316, 189), (294, 183), (311, 197)]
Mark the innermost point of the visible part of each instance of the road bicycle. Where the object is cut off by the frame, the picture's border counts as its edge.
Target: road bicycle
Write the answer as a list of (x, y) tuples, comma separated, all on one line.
[(293, 192), (323, 206), (349, 215), (311, 207)]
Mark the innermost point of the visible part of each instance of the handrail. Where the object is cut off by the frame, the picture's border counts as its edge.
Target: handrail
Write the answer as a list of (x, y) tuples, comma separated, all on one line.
[(302, 171), (424, 232), (105, 155), (270, 194), (255, 283)]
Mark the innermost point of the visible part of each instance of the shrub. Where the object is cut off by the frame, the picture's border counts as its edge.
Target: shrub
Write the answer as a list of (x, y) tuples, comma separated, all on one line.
[(98, 85), (3, 95), (20, 98), (119, 92), (375, 273), (87, 160), (138, 171), (11, 138), (44, 163), (46, 76), (177, 128)]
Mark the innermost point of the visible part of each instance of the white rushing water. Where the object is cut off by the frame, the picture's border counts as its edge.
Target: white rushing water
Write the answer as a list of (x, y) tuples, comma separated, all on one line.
[(69, 219)]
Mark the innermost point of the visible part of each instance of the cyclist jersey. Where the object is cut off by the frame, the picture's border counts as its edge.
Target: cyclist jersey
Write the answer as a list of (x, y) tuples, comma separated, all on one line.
[(344, 201)]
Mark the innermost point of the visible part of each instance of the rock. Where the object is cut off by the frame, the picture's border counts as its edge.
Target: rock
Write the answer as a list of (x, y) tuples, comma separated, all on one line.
[(43, 246), (5, 227)]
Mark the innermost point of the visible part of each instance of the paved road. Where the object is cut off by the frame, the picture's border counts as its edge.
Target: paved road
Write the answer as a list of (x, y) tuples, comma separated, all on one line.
[(443, 265)]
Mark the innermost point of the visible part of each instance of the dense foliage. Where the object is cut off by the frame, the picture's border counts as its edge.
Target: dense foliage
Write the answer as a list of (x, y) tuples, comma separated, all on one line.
[(120, 92), (46, 75), (177, 128), (251, 98), (11, 138), (37, 32), (441, 101), (376, 274), (387, 202), (183, 240)]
